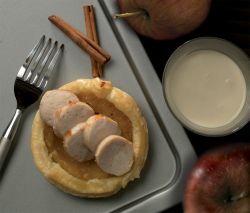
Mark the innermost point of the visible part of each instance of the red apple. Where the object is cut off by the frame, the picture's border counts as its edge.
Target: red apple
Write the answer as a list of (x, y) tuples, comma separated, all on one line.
[(165, 19), (220, 181)]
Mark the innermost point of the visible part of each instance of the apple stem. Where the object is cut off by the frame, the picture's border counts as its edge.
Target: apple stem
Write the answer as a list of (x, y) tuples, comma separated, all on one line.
[(239, 197), (236, 197), (129, 14)]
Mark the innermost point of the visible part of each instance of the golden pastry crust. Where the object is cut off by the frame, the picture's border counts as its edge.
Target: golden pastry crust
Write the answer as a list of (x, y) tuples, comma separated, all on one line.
[(100, 186)]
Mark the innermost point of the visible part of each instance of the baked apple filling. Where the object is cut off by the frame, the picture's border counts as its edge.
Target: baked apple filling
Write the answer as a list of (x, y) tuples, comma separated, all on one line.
[(88, 169)]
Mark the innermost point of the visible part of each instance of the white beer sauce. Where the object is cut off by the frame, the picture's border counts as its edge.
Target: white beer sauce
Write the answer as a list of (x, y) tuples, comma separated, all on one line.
[(207, 87)]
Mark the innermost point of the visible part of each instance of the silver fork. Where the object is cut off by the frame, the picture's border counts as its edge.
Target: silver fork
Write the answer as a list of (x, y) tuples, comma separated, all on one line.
[(31, 80)]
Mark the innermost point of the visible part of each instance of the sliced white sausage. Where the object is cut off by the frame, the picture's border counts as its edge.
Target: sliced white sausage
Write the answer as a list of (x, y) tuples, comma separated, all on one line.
[(114, 155), (68, 116), (97, 128), (74, 146), (51, 101)]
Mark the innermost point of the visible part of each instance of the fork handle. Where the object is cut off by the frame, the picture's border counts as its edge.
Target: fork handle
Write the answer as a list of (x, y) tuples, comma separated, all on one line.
[(8, 135)]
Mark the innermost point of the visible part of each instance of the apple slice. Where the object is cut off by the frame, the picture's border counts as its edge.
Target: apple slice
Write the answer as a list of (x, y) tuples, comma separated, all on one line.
[(220, 181)]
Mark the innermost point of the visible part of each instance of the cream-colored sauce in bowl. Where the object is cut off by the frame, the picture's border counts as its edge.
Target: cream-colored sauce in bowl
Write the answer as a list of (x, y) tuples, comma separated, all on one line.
[(205, 87)]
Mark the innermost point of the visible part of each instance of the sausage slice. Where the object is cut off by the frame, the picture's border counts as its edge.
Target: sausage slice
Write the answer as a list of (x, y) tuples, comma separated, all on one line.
[(74, 146), (114, 155), (68, 116), (51, 101), (97, 128)]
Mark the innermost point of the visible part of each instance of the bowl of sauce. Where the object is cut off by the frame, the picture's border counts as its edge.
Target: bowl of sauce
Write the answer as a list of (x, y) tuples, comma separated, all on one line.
[(206, 86)]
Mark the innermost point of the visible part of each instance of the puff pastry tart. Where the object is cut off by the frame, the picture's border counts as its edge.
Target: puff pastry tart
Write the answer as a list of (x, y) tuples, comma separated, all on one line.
[(87, 179)]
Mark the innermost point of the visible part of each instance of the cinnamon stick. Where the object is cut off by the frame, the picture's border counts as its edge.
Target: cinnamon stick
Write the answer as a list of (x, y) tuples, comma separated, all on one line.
[(93, 49), (91, 31)]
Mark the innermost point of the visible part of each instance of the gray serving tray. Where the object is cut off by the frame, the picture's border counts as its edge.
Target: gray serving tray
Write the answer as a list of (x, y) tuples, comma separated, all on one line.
[(22, 187)]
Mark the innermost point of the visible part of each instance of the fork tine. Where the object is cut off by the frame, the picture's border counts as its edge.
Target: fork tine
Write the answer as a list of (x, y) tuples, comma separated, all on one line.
[(34, 50), (21, 72), (42, 65), (38, 59), (44, 81)]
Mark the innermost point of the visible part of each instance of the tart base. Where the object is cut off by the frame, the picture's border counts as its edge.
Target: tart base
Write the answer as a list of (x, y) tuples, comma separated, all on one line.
[(103, 185)]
